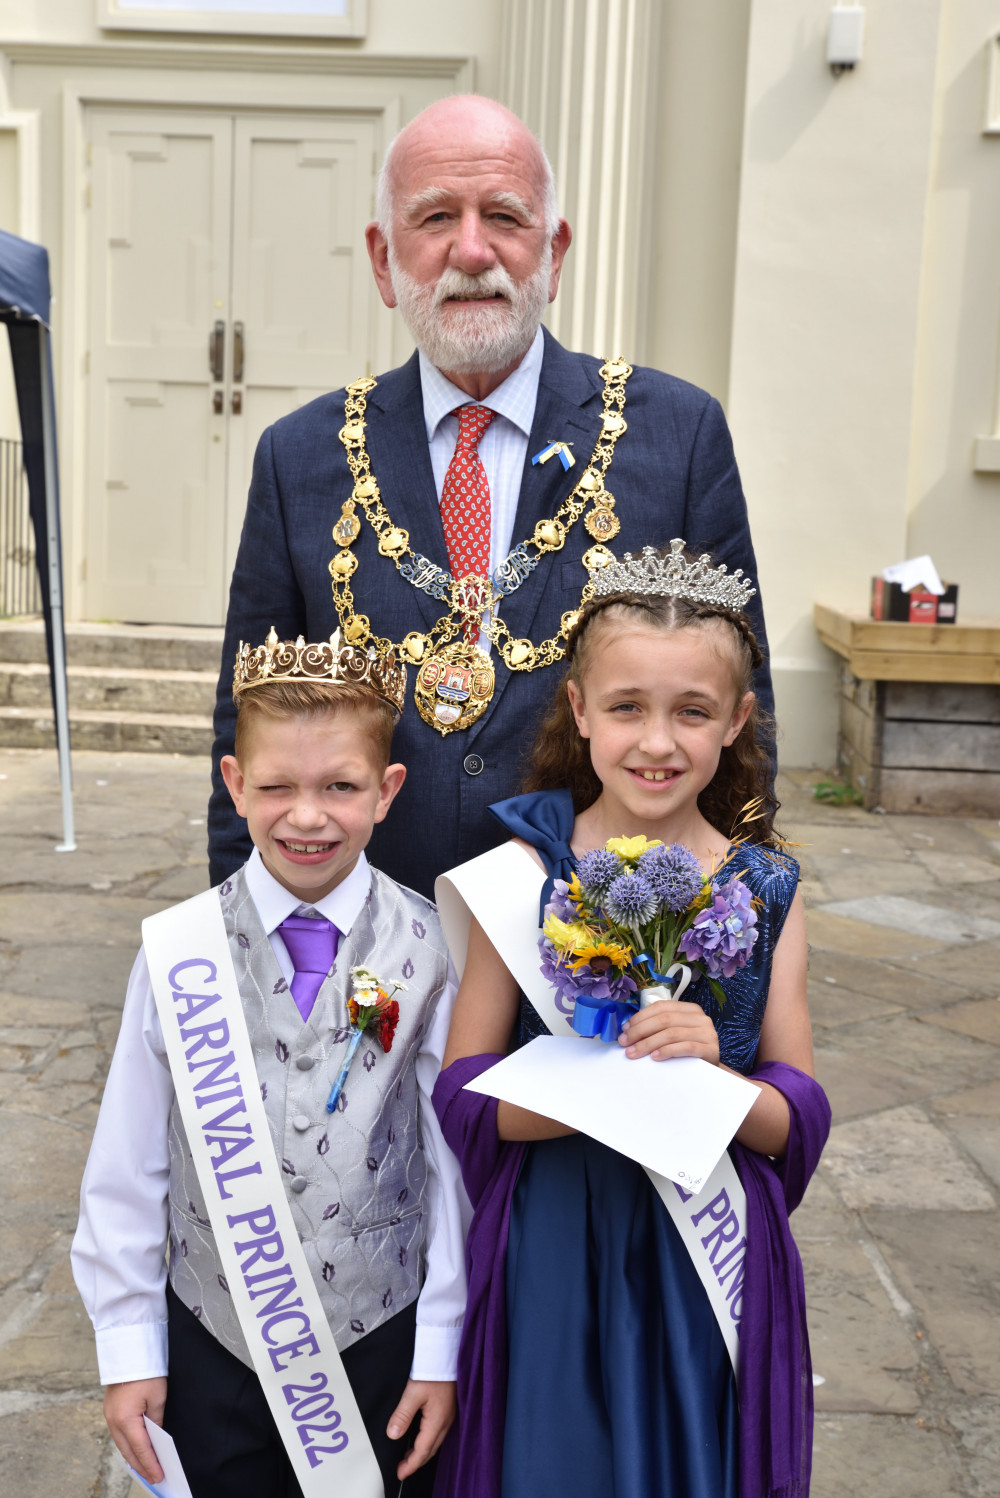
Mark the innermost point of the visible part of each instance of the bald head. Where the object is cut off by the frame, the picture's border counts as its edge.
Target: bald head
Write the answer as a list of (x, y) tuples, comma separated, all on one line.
[(468, 242), (478, 129)]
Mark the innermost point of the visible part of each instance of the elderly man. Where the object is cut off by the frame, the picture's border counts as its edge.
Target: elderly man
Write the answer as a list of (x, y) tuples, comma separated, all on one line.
[(492, 452)]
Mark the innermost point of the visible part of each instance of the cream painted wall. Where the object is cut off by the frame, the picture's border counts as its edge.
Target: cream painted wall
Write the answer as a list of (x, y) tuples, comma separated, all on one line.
[(693, 214), (954, 513), (834, 187), (396, 28)]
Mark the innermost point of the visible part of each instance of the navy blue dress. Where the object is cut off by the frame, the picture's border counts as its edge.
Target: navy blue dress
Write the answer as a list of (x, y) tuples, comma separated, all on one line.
[(619, 1382)]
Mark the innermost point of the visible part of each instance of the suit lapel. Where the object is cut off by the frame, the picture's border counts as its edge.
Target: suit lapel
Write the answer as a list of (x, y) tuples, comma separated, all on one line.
[(568, 409), (401, 462)]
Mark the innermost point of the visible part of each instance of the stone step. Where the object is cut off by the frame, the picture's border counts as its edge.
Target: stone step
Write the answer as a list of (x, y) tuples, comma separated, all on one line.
[(141, 647), (150, 733), (146, 687), (99, 688)]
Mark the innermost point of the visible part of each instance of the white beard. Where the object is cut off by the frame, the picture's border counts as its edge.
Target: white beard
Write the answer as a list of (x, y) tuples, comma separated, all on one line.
[(473, 340)]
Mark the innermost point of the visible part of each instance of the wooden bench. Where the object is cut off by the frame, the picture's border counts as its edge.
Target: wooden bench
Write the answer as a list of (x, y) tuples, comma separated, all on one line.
[(919, 712)]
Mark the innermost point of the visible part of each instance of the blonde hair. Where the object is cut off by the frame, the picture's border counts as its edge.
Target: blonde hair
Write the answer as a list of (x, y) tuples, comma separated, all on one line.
[(277, 701)]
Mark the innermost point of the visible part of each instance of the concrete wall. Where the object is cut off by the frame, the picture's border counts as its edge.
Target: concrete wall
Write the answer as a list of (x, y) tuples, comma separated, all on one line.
[(829, 261), (953, 512), (693, 212)]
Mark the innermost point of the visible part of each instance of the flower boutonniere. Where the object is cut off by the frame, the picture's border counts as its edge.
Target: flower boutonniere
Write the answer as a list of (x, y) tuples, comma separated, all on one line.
[(371, 1007)]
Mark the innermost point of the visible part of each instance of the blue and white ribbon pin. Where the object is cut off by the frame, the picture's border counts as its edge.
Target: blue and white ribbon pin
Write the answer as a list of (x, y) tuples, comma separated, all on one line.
[(566, 458)]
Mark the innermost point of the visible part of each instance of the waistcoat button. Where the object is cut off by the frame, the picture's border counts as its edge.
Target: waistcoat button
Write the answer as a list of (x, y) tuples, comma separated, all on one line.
[(301, 1122), (304, 1063), (299, 1183), (473, 764)]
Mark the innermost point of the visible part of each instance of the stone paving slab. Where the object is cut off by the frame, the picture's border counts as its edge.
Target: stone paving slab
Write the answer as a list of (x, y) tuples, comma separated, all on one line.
[(898, 1231)]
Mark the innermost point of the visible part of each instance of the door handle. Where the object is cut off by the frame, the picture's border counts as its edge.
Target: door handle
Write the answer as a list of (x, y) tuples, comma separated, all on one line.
[(237, 351), (237, 402), (217, 350)]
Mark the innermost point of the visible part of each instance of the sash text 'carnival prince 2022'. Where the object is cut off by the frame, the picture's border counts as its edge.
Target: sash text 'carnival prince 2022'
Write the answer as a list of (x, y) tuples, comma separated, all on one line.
[(300, 1178)]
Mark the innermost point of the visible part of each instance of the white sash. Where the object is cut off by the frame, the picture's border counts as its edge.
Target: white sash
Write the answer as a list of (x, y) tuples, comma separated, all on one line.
[(502, 889), (272, 1289)]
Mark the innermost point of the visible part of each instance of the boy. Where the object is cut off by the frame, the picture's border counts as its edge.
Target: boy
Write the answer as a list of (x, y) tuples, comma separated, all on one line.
[(184, 1151)]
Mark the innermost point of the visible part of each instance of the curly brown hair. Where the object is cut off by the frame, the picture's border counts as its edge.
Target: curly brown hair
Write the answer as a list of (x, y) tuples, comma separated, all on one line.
[(560, 757)]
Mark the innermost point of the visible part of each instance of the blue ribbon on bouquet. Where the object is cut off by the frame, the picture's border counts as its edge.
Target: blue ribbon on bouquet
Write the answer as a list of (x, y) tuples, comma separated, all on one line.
[(601, 1017), (647, 958)]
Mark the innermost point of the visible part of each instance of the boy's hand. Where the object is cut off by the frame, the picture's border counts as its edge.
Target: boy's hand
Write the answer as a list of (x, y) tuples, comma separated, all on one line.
[(124, 1407), (670, 1028), (438, 1405)]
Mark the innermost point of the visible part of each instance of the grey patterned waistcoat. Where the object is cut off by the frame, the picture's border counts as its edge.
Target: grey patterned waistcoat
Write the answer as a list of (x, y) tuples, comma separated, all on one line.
[(356, 1179)]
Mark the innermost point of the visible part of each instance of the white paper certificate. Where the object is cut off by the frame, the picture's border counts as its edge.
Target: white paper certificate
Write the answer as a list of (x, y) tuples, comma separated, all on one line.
[(674, 1117)]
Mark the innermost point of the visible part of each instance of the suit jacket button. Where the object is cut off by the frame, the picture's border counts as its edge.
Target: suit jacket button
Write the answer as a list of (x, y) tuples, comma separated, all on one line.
[(304, 1063), (301, 1122), (299, 1183), (473, 764)]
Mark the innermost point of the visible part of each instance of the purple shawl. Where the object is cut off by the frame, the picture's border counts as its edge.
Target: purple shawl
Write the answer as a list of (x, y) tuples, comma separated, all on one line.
[(775, 1385)]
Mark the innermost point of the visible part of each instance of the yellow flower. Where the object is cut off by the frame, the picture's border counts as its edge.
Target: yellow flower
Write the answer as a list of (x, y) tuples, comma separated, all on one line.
[(630, 848), (576, 890), (704, 896), (566, 936), (616, 954)]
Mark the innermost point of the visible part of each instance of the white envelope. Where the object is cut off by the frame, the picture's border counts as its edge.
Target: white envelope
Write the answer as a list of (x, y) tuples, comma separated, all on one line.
[(675, 1117), (174, 1484)]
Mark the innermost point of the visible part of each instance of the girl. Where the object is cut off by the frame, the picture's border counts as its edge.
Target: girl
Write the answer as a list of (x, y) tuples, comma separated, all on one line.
[(592, 1362)]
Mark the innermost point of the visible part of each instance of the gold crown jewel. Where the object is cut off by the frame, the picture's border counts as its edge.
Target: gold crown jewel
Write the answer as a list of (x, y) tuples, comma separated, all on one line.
[(332, 660), (657, 576)]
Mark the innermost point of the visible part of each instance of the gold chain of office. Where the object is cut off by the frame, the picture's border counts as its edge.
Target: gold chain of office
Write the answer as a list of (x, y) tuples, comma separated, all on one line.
[(455, 678)]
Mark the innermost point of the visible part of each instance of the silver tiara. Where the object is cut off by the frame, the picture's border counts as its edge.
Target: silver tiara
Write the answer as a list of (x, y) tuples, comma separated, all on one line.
[(673, 576)]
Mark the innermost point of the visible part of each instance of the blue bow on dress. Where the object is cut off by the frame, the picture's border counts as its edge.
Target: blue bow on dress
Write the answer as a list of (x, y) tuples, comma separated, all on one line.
[(545, 820)]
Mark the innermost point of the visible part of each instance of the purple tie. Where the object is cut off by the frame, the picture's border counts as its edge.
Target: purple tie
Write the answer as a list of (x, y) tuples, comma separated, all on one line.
[(312, 946)]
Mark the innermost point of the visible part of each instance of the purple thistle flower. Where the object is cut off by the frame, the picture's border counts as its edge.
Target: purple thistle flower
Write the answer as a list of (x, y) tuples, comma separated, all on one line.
[(673, 874), (724, 933), (629, 900), (596, 870)]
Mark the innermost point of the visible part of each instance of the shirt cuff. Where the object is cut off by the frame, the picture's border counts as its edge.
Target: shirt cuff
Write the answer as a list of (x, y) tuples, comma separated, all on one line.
[(435, 1353), (125, 1353)]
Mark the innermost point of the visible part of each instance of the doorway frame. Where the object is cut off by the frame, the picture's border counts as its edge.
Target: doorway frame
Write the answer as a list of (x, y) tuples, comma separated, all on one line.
[(224, 83)]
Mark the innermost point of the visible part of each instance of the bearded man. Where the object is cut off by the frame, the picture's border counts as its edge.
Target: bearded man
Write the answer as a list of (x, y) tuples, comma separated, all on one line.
[(493, 454)]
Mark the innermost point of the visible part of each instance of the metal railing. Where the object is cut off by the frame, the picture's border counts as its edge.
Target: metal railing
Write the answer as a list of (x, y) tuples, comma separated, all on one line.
[(19, 588)]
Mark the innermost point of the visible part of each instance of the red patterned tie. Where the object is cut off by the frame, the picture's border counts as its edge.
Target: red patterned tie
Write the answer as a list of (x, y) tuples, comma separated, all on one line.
[(465, 501)]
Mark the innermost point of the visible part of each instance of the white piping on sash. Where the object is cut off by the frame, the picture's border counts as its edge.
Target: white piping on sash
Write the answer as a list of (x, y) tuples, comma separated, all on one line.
[(272, 1289), (502, 889)]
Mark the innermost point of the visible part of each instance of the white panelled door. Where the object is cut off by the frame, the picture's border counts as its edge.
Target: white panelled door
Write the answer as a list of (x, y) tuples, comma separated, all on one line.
[(229, 284)]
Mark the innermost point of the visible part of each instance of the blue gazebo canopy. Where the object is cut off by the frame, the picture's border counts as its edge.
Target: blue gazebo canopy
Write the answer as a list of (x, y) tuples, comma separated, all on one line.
[(25, 301)]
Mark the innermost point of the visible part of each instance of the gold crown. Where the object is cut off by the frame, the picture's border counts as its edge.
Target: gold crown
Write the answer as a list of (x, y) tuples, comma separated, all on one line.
[(332, 661), (672, 575)]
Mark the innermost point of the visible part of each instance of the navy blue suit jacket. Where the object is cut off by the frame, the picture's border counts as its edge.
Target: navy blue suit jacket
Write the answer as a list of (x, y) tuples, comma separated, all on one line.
[(673, 474)]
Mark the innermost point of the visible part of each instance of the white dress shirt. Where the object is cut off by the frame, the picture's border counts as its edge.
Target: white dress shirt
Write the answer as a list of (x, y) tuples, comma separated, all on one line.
[(502, 447), (118, 1253)]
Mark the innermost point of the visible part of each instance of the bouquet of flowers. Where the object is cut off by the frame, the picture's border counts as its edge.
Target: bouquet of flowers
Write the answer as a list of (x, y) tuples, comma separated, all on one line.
[(370, 1008), (612, 938)]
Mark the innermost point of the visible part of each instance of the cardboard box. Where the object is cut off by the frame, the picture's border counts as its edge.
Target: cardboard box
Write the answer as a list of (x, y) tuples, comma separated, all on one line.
[(916, 607)]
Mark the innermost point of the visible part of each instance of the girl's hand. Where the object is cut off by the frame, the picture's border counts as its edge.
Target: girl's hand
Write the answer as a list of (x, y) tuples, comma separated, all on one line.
[(670, 1028)]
